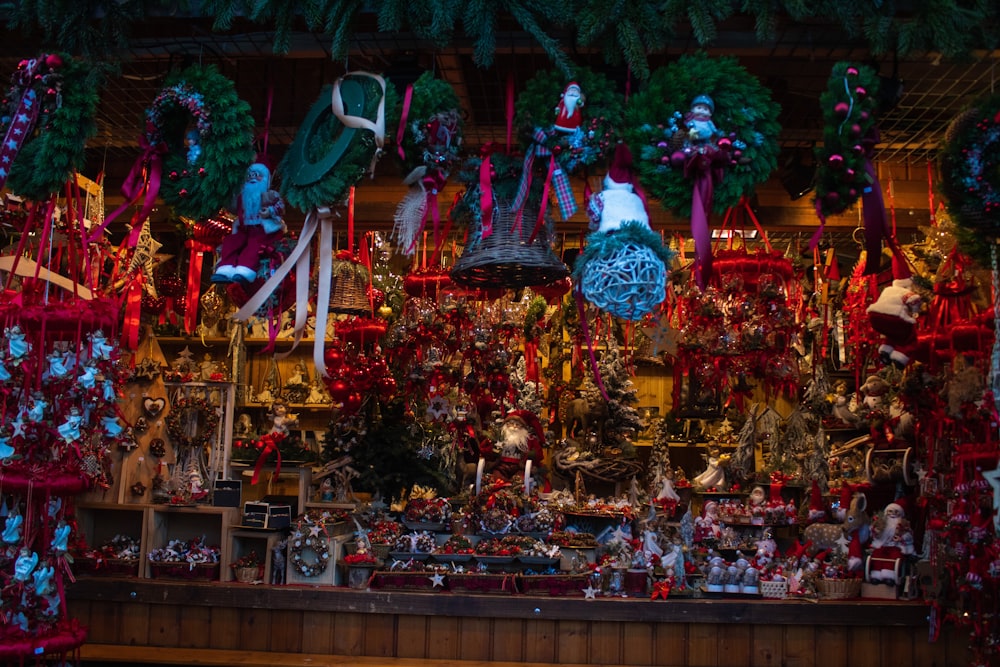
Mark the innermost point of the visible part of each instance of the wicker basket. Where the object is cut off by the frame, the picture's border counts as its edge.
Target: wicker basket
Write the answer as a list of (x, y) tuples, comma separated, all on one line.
[(349, 288), (381, 551), (839, 589), (774, 590), (248, 575), (505, 258)]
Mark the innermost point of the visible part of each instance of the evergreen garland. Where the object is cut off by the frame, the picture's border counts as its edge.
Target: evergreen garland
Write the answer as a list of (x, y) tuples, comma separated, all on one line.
[(624, 31), (970, 176), (505, 177), (50, 157), (535, 114), (334, 186), (224, 124), (744, 111), (848, 104), (433, 102)]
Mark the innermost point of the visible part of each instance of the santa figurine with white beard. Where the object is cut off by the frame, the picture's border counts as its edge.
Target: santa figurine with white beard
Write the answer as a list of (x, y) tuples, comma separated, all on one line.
[(258, 226), (521, 440)]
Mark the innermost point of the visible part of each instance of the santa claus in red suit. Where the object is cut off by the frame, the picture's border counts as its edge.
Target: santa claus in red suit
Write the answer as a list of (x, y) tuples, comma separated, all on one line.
[(521, 439), (569, 116)]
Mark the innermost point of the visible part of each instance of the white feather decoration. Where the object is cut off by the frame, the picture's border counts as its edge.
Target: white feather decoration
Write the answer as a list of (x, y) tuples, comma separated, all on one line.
[(410, 213)]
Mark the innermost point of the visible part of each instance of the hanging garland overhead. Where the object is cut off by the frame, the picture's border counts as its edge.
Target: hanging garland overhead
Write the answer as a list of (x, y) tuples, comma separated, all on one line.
[(848, 103), (63, 93), (207, 133), (970, 176), (327, 156), (744, 112)]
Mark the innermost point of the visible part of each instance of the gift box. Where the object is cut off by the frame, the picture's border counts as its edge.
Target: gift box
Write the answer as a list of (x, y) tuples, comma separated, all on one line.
[(227, 492), (279, 516)]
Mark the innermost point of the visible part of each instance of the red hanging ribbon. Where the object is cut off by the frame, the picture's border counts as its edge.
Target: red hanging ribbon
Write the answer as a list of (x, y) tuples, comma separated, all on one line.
[(133, 307), (403, 117), (486, 197), (701, 207), (145, 173), (195, 263), (270, 441)]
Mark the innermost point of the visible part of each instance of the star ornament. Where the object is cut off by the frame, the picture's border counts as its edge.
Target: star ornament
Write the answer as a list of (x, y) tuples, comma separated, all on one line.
[(662, 336), (437, 580), (993, 477), (590, 593)]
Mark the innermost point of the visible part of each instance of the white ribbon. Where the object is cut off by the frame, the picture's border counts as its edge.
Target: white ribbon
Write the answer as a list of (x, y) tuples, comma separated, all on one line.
[(359, 122)]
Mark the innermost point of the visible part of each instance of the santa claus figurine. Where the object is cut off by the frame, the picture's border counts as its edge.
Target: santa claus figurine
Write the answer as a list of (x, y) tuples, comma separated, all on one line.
[(894, 315), (521, 440), (258, 226), (569, 116), (892, 539)]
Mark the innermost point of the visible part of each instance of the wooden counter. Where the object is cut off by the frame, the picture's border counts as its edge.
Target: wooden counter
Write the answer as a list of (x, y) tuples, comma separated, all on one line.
[(518, 628)]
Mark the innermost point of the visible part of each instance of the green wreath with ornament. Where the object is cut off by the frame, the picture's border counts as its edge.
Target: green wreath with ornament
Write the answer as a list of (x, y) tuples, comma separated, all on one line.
[(849, 103), (326, 158), (536, 111), (207, 424), (744, 112), (207, 133), (432, 134), (307, 540), (970, 176), (68, 97)]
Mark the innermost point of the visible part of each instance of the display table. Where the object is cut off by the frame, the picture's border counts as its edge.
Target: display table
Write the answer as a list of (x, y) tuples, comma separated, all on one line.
[(516, 628)]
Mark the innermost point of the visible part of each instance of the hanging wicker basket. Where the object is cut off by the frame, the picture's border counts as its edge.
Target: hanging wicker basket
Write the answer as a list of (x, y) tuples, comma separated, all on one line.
[(349, 287), (505, 258)]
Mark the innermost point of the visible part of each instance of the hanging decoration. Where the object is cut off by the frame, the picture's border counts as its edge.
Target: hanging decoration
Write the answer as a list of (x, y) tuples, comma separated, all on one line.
[(326, 158), (704, 160), (47, 117), (623, 268), (844, 171), (428, 141), (565, 127), (197, 146)]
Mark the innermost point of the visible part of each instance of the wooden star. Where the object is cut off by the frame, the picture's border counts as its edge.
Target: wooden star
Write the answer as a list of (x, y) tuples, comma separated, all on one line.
[(143, 258), (993, 477), (662, 336), (590, 593), (437, 580)]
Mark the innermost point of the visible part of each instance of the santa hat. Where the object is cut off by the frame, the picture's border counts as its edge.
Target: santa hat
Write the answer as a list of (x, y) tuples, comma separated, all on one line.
[(775, 494), (622, 169), (816, 509), (530, 419), (846, 493), (855, 554), (900, 269)]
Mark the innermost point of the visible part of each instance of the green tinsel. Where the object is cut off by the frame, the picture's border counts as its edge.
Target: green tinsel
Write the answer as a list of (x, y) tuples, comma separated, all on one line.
[(202, 189), (602, 112), (744, 111), (431, 96), (970, 176), (605, 244), (333, 188), (840, 162), (56, 151)]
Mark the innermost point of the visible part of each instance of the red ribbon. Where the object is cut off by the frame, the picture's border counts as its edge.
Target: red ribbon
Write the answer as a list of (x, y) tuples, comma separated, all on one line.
[(403, 116), (486, 197), (701, 206), (198, 250), (133, 307), (22, 122), (138, 178), (531, 360), (270, 441)]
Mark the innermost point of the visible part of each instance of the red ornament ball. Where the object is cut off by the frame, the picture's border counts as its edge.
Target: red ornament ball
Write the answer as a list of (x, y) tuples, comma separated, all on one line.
[(836, 161), (832, 198), (173, 176), (842, 109), (677, 159), (852, 71), (334, 357), (339, 389), (861, 92), (352, 403)]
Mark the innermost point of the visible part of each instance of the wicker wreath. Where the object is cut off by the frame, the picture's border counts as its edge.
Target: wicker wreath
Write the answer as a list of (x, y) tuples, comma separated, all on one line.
[(67, 94), (202, 176), (744, 111), (318, 544), (970, 168), (849, 104), (175, 429)]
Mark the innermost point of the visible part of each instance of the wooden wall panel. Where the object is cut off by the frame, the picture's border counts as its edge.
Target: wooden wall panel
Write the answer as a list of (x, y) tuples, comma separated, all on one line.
[(508, 639), (194, 628), (768, 641), (286, 630), (571, 641), (225, 627), (102, 618), (474, 642), (255, 629), (703, 644), (135, 624), (637, 644), (831, 646), (539, 640), (317, 632), (862, 646), (379, 635), (896, 646), (800, 646), (349, 634), (735, 645), (670, 644), (411, 636), (443, 641), (606, 643)]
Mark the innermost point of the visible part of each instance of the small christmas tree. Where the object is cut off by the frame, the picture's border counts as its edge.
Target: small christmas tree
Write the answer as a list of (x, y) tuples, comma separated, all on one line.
[(659, 455), (526, 392), (622, 421)]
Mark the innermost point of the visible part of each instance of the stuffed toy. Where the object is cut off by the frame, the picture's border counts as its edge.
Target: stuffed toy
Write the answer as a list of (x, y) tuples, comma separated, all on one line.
[(894, 315)]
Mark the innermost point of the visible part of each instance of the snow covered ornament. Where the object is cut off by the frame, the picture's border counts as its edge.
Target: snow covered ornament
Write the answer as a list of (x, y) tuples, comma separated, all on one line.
[(623, 269)]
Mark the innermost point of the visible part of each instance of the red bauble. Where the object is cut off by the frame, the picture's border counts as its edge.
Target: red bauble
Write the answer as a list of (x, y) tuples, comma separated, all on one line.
[(386, 387), (339, 389), (362, 378), (677, 159), (836, 161), (154, 305), (334, 357), (852, 71), (861, 92), (352, 403), (377, 296), (832, 198), (842, 109)]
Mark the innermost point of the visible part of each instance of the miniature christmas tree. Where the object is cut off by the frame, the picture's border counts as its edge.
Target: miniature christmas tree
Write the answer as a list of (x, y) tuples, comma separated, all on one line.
[(659, 455), (622, 421), (526, 392)]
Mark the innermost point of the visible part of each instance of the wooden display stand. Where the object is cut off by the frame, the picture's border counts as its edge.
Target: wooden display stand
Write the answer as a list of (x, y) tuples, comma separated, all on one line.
[(331, 576), (165, 523), (242, 541)]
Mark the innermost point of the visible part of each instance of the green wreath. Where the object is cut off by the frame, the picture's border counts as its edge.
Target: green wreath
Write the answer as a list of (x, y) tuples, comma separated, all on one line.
[(602, 113), (326, 158), (56, 150), (433, 106), (970, 176), (306, 541), (206, 430), (849, 104), (199, 181), (744, 110)]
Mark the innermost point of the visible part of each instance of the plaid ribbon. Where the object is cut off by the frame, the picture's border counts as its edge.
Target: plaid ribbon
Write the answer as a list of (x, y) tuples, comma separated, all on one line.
[(556, 178)]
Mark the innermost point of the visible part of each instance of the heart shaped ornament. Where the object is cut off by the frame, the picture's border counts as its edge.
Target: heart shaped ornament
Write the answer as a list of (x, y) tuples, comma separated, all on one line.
[(153, 406)]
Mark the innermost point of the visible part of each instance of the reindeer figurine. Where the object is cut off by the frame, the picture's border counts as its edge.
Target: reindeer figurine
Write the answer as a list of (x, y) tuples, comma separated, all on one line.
[(825, 536)]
